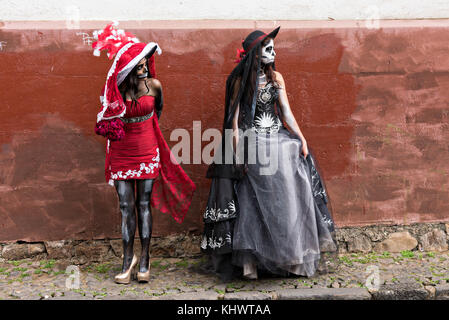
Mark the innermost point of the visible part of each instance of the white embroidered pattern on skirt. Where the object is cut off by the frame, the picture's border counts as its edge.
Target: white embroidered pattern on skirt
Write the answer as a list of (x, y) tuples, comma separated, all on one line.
[(144, 168), (216, 242), (217, 214)]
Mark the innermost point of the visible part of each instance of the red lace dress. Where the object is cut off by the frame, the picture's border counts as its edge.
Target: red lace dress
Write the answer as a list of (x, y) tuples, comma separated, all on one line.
[(143, 153), (136, 156)]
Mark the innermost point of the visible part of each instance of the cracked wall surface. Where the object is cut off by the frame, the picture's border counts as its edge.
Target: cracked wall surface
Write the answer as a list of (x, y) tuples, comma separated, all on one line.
[(372, 104)]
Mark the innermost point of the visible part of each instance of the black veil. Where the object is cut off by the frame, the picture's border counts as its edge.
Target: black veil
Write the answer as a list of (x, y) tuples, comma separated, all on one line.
[(241, 90)]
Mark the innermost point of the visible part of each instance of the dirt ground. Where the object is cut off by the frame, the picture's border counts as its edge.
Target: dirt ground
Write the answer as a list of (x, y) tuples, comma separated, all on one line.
[(174, 278)]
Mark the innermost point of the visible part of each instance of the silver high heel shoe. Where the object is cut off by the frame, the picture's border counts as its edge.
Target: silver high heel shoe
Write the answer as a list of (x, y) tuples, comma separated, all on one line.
[(125, 277)]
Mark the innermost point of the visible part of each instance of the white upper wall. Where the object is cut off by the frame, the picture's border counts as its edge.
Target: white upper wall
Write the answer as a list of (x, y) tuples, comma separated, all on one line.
[(89, 10)]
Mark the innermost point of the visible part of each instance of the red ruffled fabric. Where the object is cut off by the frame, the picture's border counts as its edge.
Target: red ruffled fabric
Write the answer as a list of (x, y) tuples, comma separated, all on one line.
[(111, 39), (173, 190)]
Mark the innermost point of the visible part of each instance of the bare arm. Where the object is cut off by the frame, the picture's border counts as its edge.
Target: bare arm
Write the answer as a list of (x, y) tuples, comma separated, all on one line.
[(287, 114), (159, 103)]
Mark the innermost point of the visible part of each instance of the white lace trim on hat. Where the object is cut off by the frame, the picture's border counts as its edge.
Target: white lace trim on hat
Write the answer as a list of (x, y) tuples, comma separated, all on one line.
[(110, 73), (127, 69)]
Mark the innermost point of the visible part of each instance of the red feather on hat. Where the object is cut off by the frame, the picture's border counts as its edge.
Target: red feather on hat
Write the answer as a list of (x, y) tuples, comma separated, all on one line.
[(111, 39)]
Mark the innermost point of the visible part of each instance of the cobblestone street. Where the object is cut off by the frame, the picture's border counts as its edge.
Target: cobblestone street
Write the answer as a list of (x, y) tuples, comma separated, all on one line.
[(405, 275)]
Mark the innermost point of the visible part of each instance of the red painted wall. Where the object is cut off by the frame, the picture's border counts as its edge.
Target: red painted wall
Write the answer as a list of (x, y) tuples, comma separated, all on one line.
[(371, 103)]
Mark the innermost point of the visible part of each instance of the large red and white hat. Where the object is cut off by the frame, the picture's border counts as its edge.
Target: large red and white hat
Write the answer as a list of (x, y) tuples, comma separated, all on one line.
[(128, 51)]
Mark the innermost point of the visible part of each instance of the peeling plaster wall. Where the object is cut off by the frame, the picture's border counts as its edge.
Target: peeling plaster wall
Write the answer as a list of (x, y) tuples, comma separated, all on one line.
[(372, 104)]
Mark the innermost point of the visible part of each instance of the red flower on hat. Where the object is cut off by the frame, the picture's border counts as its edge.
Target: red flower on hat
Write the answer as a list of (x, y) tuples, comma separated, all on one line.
[(240, 55)]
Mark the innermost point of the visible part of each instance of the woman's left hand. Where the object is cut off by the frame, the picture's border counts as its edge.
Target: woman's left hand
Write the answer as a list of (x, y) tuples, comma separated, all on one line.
[(305, 150)]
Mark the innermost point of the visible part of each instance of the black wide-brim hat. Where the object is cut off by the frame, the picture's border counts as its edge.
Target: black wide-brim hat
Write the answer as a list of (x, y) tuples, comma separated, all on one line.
[(257, 37)]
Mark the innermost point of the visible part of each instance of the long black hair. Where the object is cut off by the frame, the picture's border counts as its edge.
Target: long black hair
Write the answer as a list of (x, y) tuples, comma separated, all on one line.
[(241, 89), (241, 85)]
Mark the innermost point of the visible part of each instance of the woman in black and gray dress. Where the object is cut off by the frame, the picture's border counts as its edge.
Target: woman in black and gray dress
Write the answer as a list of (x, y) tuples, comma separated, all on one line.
[(267, 207)]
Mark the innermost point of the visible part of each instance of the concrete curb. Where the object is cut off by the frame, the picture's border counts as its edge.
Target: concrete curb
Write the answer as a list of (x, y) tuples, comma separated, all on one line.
[(205, 295), (396, 292), (248, 295), (323, 294), (401, 291), (285, 294), (442, 292)]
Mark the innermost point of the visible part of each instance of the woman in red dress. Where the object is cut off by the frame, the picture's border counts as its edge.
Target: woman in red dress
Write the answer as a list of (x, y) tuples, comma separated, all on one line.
[(138, 161)]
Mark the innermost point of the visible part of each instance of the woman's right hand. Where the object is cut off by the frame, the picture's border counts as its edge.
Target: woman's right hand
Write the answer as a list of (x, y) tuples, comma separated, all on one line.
[(304, 149)]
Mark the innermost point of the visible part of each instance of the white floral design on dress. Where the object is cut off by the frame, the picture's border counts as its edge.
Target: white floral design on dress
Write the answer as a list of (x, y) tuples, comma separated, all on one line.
[(144, 168), (264, 120), (264, 94), (204, 242), (266, 123), (217, 214), (215, 242)]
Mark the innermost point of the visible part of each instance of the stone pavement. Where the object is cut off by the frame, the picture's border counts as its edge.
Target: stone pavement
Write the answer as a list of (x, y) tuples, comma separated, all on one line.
[(405, 275)]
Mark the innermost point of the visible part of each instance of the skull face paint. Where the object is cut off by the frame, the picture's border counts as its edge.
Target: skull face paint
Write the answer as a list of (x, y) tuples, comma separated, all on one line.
[(268, 53), (142, 69)]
